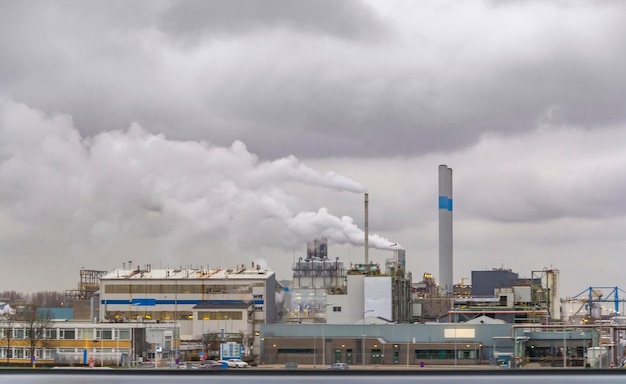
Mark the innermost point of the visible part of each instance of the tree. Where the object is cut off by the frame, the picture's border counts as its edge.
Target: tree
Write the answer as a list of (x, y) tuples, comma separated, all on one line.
[(35, 323), (49, 299), (7, 325)]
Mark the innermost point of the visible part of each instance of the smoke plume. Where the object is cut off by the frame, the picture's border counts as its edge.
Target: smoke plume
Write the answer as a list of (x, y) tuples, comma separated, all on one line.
[(58, 185)]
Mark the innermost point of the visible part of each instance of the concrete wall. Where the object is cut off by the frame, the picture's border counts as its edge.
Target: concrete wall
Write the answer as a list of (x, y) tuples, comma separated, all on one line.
[(405, 339)]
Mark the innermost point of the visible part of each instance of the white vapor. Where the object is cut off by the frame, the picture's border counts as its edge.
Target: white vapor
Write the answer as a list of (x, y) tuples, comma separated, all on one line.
[(120, 185)]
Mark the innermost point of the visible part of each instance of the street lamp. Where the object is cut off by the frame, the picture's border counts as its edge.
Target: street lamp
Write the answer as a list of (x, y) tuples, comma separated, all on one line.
[(363, 336), (323, 345), (564, 349), (315, 348), (455, 336)]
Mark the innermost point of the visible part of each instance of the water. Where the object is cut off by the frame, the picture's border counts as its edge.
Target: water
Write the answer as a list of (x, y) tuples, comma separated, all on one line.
[(312, 377)]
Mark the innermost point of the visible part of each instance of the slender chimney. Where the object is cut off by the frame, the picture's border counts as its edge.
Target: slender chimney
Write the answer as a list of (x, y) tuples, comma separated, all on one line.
[(445, 229), (366, 226)]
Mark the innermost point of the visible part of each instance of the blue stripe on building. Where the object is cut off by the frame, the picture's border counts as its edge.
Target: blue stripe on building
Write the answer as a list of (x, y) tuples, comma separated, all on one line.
[(151, 302), (143, 302)]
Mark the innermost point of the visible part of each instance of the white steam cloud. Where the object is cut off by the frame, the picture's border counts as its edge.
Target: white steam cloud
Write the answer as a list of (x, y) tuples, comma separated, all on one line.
[(118, 185)]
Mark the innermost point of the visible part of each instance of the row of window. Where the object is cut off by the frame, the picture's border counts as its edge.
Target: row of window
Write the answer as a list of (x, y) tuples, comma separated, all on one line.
[(220, 315), (24, 353), (177, 288), (46, 353), (424, 354), (69, 334), (444, 354), (151, 315), (179, 315)]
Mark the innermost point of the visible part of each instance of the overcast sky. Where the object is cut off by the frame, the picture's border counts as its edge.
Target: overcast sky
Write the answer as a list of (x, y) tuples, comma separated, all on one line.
[(222, 132)]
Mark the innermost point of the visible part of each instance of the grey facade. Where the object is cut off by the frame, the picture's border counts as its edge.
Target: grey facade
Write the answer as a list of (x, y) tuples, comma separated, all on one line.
[(484, 282), (405, 344)]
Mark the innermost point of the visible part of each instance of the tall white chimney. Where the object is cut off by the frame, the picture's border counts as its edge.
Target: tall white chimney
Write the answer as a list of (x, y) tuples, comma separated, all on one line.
[(445, 229)]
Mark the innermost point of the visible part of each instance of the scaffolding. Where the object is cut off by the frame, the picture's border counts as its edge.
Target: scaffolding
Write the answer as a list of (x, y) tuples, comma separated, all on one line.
[(88, 285)]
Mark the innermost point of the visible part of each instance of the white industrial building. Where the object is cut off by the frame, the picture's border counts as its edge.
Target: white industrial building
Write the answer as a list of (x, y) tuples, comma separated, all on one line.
[(203, 301)]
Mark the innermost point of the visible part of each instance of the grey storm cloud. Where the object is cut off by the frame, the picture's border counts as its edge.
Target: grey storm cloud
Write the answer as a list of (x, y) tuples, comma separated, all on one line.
[(181, 129), (320, 78), (198, 19)]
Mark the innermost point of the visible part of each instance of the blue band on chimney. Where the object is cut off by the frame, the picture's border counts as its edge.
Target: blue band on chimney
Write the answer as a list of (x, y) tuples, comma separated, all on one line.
[(445, 203)]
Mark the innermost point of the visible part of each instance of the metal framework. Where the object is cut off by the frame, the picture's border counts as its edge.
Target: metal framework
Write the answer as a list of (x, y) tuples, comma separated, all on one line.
[(596, 294), (89, 284)]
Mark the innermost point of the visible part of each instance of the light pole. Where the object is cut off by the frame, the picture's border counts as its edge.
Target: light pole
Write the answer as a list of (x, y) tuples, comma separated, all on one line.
[(600, 351), (315, 348), (363, 336), (101, 346), (455, 335), (323, 345), (564, 349)]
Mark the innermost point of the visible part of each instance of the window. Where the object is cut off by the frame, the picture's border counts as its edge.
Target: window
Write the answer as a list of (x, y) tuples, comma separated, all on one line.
[(123, 334), (67, 334), (51, 334), (185, 315), (86, 334), (296, 350), (336, 309), (18, 334), (220, 315), (434, 354), (104, 334)]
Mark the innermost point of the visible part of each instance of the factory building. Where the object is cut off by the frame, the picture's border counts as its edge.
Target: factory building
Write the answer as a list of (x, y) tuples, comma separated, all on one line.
[(371, 292), (323, 291), (313, 279), (76, 343), (368, 343), (207, 304)]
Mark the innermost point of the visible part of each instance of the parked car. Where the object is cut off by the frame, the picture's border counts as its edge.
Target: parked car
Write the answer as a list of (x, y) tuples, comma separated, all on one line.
[(339, 366), (210, 364), (237, 363)]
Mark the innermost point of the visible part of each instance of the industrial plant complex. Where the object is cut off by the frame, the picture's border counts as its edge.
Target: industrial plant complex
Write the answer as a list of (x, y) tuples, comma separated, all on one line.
[(361, 314)]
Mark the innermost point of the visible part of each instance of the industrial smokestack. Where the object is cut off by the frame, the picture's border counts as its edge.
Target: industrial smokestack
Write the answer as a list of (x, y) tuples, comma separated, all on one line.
[(366, 226), (445, 229)]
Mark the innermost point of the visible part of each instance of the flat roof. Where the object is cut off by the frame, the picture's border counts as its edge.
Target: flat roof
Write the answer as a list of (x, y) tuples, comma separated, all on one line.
[(189, 274)]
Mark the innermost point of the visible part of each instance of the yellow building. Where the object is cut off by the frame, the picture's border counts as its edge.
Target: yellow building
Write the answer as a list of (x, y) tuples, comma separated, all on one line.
[(76, 343)]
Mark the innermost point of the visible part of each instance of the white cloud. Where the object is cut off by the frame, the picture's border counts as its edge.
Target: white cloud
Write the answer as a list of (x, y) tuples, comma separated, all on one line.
[(523, 99)]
